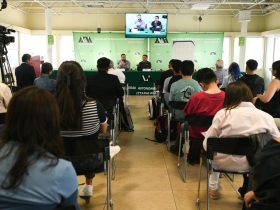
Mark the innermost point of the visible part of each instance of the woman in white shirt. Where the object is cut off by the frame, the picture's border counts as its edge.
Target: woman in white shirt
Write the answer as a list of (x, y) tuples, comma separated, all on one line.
[(239, 117)]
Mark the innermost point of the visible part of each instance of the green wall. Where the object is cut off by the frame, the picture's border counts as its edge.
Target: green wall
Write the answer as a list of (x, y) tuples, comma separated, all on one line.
[(89, 46)]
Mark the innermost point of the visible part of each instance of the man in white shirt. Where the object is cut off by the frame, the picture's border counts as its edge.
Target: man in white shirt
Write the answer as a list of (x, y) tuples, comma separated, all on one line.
[(116, 72)]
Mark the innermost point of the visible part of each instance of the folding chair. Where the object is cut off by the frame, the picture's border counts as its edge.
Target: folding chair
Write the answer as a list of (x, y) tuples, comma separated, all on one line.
[(125, 89), (85, 152), (244, 146), (174, 105), (191, 120)]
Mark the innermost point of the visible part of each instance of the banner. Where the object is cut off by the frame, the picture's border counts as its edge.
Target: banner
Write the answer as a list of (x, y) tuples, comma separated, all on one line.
[(89, 46)]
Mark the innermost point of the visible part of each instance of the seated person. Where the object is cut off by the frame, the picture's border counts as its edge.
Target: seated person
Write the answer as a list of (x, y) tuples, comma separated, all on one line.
[(123, 63), (80, 116), (139, 23), (207, 103), (175, 67), (156, 24), (164, 75), (33, 174), (265, 179), (5, 96), (254, 81), (44, 81), (270, 100), (233, 75), (220, 71), (184, 88), (144, 64), (237, 107), (116, 72)]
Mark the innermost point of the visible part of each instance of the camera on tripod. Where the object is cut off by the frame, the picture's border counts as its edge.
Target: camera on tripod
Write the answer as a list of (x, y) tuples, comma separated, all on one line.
[(4, 39), (5, 68)]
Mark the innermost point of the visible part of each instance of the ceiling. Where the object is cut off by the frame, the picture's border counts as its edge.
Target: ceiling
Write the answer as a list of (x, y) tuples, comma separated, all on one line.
[(185, 7)]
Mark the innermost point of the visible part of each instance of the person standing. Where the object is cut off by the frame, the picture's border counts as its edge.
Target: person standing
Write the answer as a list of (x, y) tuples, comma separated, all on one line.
[(123, 63), (144, 64), (25, 73)]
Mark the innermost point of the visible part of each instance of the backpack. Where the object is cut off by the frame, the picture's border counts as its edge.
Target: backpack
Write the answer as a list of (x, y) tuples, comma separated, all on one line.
[(153, 110), (161, 128)]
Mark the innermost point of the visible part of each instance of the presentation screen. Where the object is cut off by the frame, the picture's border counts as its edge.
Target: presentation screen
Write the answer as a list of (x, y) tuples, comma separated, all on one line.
[(145, 25)]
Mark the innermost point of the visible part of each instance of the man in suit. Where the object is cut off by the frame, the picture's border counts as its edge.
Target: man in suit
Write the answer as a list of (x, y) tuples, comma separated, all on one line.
[(144, 64), (104, 87), (25, 73)]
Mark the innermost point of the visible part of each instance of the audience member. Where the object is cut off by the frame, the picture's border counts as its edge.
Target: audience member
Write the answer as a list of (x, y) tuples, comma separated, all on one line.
[(123, 63), (175, 66), (104, 87), (182, 91), (270, 100), (164, 75), (116, 72), (25, 73), (220, 71), (44, 81), (265, 179), (254, 81), (205, 103), (237, 107), (5, 97), (233, 75), (33, 175), (80, 116), (144, 64)]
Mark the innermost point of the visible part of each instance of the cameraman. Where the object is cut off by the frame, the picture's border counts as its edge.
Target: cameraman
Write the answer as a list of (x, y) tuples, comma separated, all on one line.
[(25, 73)]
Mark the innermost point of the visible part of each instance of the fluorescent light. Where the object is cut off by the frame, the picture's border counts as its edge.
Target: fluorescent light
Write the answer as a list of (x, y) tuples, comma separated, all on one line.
[(200, 6)]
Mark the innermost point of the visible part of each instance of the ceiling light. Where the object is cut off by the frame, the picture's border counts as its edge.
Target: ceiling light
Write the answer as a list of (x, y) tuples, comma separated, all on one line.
[(200, 6)]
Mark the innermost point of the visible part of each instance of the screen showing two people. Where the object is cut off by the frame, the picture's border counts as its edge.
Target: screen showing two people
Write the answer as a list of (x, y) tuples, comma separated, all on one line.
[(146, 25)]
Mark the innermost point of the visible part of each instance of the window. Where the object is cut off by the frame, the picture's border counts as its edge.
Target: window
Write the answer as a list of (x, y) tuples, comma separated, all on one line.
[(65, 48), (226, 50), (277, 49), (254, 50), (13, 51)]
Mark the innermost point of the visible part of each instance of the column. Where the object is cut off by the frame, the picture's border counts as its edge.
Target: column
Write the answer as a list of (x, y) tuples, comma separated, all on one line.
[(244, 18), (48, 29)]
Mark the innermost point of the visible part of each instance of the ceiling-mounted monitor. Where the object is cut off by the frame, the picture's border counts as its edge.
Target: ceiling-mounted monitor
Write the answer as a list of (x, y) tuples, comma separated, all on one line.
[(145, 25)]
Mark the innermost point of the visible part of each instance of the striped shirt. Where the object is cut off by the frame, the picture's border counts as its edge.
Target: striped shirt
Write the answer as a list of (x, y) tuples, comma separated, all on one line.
[(93, 115)]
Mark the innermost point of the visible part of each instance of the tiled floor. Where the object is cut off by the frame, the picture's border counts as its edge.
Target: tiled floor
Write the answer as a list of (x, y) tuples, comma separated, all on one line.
[(147, 177)]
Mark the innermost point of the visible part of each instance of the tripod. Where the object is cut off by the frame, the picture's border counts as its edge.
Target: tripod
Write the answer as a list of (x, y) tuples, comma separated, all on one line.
[(6, 71)]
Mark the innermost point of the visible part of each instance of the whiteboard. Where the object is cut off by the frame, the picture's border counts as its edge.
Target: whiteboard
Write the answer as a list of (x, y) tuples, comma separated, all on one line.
[(183, 50)]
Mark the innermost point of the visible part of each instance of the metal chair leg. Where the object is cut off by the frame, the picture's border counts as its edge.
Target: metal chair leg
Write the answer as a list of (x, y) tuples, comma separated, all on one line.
[(207, 187), (169, 115), (182, 172), (198, 189), (109, 192)]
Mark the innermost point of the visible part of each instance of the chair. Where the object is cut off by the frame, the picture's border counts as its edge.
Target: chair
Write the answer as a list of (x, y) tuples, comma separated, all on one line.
[(191, 120), (174, 105), (90, 156), (244, 146)]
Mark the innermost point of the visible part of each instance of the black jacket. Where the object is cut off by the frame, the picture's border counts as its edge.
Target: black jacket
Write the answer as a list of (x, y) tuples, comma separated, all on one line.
[(104, 87), (25, 75)]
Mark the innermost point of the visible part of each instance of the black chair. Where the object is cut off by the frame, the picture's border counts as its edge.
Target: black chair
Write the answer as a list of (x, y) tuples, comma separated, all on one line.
[(90, 156), (190, 120), (244, 146), (174, 105)]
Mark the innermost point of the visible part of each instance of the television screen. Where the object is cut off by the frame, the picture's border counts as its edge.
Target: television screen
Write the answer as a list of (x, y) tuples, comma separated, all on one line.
[(145, 25)]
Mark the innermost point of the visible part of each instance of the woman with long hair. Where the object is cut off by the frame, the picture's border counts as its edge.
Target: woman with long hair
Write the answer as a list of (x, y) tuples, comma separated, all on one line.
[(270, 100), (32, 173), (237, 107), (233, 75), (80, 116)]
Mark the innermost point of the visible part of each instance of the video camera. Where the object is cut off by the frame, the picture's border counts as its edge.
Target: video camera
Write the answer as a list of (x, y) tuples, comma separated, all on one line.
[(4, 39)]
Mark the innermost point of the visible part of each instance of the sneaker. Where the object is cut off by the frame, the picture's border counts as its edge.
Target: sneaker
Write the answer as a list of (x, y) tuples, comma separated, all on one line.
[(214, 194), (114, 150), (85, 190)]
